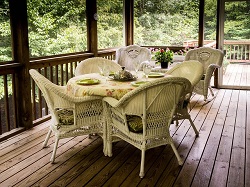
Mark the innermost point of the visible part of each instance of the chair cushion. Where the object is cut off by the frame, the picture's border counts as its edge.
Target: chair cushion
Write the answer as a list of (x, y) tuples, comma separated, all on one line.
[(66, 117), (135, 123)]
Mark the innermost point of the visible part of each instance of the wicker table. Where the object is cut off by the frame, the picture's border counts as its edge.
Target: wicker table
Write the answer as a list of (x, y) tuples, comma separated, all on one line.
[(110, 88)]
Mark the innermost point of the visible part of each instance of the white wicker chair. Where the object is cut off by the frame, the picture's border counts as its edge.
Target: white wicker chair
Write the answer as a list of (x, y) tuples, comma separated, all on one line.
[(70, 116), (211, 59), (125, 56), (90, 65), (142, 117), (193, 71)]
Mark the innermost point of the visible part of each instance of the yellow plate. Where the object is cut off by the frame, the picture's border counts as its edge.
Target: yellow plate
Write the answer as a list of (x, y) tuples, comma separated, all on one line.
[(155, 75), (88, 81), (138, 83)]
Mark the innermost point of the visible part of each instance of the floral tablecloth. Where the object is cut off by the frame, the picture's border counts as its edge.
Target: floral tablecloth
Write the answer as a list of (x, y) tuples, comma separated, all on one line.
[(109, 88)]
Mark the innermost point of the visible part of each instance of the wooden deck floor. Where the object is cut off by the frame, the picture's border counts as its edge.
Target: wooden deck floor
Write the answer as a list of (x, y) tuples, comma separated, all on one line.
[(219, 157), (237, 74)]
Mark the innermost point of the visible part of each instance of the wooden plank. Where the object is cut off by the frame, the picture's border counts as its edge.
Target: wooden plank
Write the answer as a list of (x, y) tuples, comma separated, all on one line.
[(22, 145), (183, 138), (237, 161), (196, 151), (247, 163), (231, 81), (22, 135), (224, 152), (131, 178), (31, 165), (100, 171), (48, 173), (205, 167)]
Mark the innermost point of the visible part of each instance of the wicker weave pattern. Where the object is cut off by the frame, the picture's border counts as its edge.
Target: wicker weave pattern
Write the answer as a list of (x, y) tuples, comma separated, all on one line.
[(90, 65), (155, 102), (210, 59), (193, 71), (87, 111), (125, 56)]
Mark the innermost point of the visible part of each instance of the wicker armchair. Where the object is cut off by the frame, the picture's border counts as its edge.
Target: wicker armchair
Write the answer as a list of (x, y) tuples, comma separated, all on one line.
[(193, 71), (126, 56), (210, 59), (90, 65), (142, 117), (70, 116)]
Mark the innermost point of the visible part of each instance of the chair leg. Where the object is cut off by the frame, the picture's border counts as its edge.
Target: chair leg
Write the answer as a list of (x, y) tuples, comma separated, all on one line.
[(142, 163), (211, 91), (52, 159), (192, 124), (176, 154), (47, 138)]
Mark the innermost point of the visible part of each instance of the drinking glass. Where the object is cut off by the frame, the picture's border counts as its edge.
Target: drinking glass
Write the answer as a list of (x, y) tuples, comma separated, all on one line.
[(136, 65), (147, 69), (106, 71)]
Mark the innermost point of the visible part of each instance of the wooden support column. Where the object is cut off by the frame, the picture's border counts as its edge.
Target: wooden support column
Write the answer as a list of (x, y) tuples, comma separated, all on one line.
[(20, 53), (128, 17), (201, 23), (91, 16), (219, 34)]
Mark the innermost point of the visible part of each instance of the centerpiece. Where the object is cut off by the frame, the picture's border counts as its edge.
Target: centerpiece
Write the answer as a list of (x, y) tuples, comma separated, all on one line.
[(164, 57)]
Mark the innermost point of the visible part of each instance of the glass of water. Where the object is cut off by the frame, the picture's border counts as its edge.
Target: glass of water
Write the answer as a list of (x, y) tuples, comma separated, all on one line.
[(147, 69)]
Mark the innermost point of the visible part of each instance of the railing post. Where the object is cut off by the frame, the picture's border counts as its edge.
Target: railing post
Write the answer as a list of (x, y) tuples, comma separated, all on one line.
[(92, 16), (20, 52)]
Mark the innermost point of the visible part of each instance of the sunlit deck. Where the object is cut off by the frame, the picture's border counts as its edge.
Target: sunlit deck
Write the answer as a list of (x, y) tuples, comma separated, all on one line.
[(220, 156), (237, 74)]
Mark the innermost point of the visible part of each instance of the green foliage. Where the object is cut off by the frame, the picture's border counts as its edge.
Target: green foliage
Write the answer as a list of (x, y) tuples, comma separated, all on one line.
[(59, 26), (165, 22)]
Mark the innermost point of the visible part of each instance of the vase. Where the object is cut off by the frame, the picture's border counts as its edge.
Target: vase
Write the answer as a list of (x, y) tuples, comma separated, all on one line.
[(164, 65)]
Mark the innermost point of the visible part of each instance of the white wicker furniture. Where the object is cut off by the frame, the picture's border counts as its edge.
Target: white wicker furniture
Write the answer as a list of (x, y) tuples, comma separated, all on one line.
[(193, 71), (142, 117), (70, 116), (210, 59), (126, 56), (90, 65)]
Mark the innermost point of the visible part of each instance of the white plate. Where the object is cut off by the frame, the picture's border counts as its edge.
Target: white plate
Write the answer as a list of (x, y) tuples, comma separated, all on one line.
[(138, 83), (155, 75)]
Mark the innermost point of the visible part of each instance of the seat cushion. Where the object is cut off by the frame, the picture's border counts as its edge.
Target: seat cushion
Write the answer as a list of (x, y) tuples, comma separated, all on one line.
[(66, 117), (135, 123)]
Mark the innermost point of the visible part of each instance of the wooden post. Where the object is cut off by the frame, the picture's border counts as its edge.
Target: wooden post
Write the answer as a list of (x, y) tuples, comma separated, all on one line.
[(219, 34), (92, 16), (20, 53), (201, 23), (128, 15)]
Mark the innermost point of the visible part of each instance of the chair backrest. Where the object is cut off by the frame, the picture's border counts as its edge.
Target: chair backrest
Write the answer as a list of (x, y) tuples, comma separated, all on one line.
[(191, 70), (51, 92), (125, 56), (90, 65), (206, 55), (155, 102), (57, 98)]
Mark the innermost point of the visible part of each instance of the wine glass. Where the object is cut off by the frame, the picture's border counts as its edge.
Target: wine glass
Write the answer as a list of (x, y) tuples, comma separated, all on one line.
[(106, 71), (147, 69), (136, 65)]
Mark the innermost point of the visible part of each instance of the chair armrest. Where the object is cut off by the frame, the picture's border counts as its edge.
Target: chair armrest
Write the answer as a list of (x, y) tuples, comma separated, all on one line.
[(111, 101), (209, 71)]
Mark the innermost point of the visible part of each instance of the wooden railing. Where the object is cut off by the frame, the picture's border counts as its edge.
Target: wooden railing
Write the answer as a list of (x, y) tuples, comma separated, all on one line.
[(59, 69), (237, 51)]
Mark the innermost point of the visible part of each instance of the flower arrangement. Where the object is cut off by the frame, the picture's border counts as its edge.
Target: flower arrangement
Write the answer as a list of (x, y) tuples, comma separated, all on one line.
[(164, 56)]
